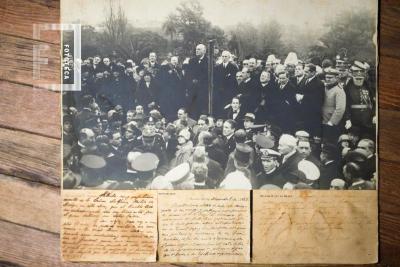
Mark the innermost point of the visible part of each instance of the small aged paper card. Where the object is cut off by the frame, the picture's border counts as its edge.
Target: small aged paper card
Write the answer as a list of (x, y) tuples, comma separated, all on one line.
[(100, 225), (315, 227), (204, 226)]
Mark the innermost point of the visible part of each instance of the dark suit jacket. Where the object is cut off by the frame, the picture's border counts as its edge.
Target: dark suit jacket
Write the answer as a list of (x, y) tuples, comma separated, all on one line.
[(311, 104), (250, 95), (329, 172), (198, 70), (224, 77), (217, 154), (289, 166), (282, 107), (229, 145), (300, 85), (145, 95), (239, 117), (171, 148)]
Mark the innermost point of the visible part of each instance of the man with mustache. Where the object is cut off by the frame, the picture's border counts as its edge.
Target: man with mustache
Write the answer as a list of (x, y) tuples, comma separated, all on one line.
[(360, 110)]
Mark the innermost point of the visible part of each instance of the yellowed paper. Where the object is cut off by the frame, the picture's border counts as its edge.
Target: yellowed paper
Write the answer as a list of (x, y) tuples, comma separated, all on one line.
[(204, 226), (315, 227), (102, 225)]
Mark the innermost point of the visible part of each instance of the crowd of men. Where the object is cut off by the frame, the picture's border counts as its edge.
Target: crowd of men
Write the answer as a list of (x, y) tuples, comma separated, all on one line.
[(274, 125)]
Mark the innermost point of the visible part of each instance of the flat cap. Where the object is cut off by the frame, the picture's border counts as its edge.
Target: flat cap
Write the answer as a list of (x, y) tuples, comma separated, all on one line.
[(145, 162), (93, 161)]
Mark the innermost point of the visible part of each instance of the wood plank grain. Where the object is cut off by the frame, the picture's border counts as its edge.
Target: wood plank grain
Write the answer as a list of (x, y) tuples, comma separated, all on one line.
[(388, 176), (29, 109), (31, 204), (17, 63), (17, 18), (389, 28), (389, 129), (389, 212), (389, 83), (30, 156)]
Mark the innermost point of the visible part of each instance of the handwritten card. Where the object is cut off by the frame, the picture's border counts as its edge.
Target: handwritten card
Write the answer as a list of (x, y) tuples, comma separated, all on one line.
[(315, 227), (204, 226), (100, 225)]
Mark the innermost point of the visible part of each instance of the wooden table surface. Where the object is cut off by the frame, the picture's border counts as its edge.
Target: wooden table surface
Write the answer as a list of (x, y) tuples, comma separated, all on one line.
[(30, 138)]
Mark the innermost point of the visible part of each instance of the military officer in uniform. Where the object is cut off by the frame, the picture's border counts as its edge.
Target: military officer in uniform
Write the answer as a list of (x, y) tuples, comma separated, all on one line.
[(360, 111), (270, 173)]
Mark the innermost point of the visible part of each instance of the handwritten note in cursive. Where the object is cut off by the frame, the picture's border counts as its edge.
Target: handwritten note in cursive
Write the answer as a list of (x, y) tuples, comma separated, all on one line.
[(204, 226), (102, 225), (315, 227)]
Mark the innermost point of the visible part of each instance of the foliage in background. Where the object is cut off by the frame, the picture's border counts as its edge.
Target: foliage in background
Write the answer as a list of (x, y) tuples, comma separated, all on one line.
[(186, 27)]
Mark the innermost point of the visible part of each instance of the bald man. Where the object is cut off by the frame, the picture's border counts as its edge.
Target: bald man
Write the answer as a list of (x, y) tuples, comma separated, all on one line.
[(197, 83), (224, 83)]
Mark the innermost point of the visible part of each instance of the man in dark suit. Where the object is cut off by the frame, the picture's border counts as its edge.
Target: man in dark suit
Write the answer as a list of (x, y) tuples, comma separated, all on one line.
[(311, 101), (224, 83), (171, 95), (370, 166), (300, 78), (235, 112), (265, 87), (197, 75), (282, 104), (330, 166), (248, 90), (147, 92), (154, 67), (228, 131)]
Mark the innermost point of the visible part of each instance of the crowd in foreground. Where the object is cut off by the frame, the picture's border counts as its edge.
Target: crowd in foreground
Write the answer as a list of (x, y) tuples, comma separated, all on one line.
[(294, 125)]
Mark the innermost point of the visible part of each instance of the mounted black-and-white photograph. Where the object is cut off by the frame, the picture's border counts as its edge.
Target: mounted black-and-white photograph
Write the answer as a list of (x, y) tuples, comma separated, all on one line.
[(222, 94)]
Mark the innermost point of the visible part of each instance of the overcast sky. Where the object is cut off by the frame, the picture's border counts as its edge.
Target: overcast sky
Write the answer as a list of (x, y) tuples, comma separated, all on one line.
[(223, 13)]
